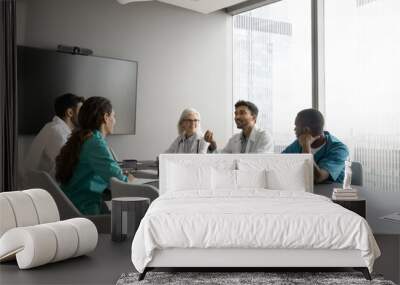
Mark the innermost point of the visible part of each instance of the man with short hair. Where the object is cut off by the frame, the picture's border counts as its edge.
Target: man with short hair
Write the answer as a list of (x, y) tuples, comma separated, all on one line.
[(329, 153), (47, 144), (251, 139)]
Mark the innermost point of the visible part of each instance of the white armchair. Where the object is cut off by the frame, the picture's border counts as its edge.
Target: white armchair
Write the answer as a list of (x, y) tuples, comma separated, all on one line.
[(31, 233)]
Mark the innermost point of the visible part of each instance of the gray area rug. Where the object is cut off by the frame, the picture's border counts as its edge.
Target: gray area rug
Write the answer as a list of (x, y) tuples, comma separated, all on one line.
[(273, 278)]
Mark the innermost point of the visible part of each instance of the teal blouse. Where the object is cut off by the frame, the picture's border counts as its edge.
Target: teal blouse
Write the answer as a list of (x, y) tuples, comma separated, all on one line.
[(330, 157), (92, 175)]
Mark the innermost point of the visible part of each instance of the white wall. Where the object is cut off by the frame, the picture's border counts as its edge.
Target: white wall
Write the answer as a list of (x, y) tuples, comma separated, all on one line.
[(184, 60)]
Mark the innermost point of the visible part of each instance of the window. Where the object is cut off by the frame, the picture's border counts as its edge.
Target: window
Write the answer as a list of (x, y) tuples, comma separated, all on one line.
[(272, 68), (272, 64), (362, 44)]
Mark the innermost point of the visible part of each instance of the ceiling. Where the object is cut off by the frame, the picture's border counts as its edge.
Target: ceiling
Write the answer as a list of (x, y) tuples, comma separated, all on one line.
[(202, 6)]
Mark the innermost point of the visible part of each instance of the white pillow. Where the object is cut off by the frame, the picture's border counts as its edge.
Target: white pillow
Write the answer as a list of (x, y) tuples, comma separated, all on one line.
[(293, 179), (251, 178), (188, 177), (285, 173), (224, 179)]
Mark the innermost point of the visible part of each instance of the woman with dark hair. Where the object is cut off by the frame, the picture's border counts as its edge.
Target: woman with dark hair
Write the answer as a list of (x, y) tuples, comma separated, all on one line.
[(85, 164)]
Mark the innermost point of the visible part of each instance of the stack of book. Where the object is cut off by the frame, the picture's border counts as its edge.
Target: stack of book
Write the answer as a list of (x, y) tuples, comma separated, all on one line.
[(345, 194)]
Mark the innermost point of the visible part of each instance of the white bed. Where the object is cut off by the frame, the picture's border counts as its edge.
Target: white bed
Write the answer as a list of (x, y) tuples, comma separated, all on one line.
[(221, 211)]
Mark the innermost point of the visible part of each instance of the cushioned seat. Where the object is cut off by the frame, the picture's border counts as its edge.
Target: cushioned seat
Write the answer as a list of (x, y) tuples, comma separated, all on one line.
[(37, 245), (31, 232)]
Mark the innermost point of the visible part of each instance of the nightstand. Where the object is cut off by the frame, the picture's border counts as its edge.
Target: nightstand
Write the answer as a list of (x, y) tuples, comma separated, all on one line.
[(357, 206)]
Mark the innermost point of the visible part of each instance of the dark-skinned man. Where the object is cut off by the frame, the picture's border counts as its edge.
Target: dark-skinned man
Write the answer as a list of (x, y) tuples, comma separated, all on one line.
[(329, 153)]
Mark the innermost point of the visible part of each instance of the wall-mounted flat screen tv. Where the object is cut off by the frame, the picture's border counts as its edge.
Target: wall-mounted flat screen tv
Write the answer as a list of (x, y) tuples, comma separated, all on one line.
[(45, 74)]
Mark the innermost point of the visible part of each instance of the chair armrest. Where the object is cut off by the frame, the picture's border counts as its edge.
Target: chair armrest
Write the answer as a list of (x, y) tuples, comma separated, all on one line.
[(122, 189)]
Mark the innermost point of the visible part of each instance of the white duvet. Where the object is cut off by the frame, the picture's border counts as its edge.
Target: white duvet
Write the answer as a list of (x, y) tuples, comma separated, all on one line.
[(250, 219)]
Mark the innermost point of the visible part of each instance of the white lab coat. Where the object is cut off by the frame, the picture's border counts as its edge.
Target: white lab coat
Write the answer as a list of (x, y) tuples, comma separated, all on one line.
[(199, 145), (260, 141), (47, 145)]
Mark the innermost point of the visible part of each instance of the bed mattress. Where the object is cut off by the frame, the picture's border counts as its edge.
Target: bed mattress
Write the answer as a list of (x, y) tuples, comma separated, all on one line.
[(250, 219)]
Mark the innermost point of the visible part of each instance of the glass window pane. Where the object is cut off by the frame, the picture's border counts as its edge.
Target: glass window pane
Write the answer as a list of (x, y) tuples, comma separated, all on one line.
[(362, 44), (272, 64)]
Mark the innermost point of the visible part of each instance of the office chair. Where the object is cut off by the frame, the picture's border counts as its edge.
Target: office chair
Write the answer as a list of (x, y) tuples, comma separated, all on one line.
[(120, 188), (41, 179)]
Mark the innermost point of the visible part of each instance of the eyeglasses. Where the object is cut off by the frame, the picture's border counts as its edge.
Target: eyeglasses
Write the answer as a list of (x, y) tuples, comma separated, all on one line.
[(191, 121)]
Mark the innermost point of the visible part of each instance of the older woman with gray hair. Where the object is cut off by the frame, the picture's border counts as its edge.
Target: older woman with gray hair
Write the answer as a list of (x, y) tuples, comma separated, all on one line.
[(190, 139)]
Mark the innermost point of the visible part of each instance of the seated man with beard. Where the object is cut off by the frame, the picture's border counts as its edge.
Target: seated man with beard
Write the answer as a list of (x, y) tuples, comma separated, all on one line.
[(251, 139)]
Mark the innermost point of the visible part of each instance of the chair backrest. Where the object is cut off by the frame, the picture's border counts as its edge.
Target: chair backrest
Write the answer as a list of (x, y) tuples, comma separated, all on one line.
[(41, 179), (357, 173)]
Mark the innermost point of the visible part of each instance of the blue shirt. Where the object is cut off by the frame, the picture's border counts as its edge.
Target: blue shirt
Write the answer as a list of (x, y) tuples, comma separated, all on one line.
[(330, 157), (92, 175)]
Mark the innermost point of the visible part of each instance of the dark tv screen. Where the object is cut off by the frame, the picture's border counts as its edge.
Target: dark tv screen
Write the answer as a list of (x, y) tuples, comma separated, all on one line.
[(45, 74)]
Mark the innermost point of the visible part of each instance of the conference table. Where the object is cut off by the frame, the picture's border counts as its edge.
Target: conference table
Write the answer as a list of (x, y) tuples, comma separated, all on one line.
[(146, 169)]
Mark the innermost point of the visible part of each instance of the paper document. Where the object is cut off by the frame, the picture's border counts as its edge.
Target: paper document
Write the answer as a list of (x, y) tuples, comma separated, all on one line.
[(394, 217)]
